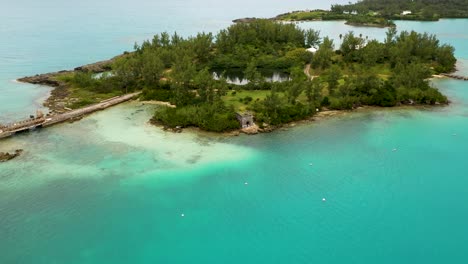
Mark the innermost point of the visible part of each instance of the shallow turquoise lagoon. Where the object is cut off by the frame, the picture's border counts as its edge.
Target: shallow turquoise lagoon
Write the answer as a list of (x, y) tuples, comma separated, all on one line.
[(113, 189)]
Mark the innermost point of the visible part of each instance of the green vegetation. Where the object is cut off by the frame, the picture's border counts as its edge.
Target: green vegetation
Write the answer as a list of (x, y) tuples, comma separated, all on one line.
[(241, 99), (214, 117), (262, 44), (303, 15), (360, 72), (85, 88), (380, 13), (425, 10), (370, 21)]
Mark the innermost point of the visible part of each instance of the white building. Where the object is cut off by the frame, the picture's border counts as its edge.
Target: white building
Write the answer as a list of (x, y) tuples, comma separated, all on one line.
[(312, 49), (406, 12)]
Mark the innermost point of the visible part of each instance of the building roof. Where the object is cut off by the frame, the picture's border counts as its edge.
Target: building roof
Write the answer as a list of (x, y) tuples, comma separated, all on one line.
[(244, 114)]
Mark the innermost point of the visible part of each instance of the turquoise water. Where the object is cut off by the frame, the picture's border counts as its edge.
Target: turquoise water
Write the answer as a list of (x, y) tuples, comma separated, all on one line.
[(113, 189)]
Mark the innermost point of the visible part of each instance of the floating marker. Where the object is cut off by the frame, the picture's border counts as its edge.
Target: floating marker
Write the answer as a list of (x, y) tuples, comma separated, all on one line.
[(324, 200), (311, 164), (182, 215), (246, 183), (394, 149)]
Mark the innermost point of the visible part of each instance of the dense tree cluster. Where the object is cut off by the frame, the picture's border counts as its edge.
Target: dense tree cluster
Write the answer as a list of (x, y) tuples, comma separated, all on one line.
[(270, 45), (210, 117), (369, 20), (409, 58), (404, 48)]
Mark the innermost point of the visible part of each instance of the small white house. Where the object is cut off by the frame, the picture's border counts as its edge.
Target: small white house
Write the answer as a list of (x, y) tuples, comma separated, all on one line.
[(363, 45), (406, 12), (312, 49)]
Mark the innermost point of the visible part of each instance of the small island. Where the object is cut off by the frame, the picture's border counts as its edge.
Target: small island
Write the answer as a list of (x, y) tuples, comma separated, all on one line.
[(192, 74), (379, 13), (421, 10), (369, 19)]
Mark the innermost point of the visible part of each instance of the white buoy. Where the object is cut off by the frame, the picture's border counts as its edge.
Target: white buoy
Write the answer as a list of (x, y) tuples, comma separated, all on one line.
[(324, 200), (394, 149), (182, 215), (246, 183), (311, 164)]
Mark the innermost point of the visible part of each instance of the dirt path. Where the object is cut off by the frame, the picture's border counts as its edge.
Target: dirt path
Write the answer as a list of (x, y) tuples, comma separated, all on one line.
[(307, 72)]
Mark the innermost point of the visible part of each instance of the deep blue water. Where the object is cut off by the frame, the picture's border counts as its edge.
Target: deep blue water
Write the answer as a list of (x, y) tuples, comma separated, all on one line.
[(112, 189)]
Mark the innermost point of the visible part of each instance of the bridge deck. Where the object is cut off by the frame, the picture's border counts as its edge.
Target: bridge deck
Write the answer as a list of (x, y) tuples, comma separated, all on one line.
[(24, 125)]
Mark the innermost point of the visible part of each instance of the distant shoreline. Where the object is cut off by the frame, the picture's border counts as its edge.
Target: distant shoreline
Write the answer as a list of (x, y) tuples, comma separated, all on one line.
[(327, 15)]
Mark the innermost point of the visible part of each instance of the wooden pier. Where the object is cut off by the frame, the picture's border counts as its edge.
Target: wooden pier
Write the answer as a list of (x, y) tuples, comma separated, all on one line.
[(44, 121), (455, 76)]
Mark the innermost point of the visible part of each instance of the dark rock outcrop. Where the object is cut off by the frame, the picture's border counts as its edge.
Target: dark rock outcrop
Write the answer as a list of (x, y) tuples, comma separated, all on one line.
[(244, 20), (5, 156), (43, 79), (97, 67)]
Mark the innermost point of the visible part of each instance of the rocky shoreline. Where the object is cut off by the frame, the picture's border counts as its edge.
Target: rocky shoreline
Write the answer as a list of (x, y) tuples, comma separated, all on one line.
[(6, 156), (265, 128), (59, 96)]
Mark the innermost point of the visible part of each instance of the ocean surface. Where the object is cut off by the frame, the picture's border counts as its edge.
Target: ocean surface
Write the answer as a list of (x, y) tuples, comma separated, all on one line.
[(381, 186)]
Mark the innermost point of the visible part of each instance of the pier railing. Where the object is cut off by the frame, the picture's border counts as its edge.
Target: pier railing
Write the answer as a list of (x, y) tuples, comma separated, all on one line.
[(22, 125)]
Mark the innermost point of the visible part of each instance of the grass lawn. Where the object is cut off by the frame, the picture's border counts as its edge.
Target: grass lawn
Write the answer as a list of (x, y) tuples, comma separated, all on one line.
[(83, 97), (80, 97), (304, 15), (234, 100), (256, 95)]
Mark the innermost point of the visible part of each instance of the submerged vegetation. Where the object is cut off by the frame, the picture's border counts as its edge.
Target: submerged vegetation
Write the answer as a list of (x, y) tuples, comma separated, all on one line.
[(359, 72)]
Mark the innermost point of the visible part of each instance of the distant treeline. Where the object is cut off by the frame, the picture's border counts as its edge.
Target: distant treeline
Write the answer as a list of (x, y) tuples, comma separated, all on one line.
[(421, 9)]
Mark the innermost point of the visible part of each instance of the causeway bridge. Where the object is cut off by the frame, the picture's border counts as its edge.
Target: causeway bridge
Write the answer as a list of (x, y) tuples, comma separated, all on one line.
[(44, 121)]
